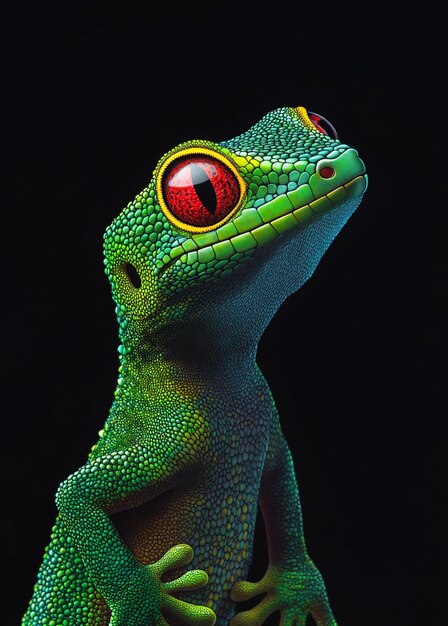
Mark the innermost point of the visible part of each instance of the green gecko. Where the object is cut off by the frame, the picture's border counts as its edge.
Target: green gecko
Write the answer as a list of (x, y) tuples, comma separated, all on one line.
[(157, 527)]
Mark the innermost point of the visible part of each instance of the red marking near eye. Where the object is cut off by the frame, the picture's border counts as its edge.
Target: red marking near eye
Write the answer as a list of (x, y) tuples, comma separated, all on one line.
[(200, 190), (326, 172)]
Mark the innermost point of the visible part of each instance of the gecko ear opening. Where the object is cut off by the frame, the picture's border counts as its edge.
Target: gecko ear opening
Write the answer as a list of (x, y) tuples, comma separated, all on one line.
[(133, 275)]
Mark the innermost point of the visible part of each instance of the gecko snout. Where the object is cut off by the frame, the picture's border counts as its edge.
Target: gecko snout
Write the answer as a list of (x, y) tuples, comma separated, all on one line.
[(340, 178)]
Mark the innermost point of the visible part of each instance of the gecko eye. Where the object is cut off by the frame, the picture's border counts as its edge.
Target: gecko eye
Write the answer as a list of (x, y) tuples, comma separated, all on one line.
[(199, 190), (323, 125)]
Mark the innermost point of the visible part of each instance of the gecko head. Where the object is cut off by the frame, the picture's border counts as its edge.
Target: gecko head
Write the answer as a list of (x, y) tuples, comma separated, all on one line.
[(240, 223)]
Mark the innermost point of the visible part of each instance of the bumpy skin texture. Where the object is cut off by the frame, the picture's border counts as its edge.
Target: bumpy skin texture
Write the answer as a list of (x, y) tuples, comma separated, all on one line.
[(157, 527)]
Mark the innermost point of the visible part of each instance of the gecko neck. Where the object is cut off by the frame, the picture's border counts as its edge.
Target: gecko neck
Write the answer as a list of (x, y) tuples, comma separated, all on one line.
[(211, 361), (192, 354)]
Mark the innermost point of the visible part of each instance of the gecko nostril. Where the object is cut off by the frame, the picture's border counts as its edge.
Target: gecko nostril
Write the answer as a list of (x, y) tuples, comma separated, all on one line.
[(327, 172), (133, 275)]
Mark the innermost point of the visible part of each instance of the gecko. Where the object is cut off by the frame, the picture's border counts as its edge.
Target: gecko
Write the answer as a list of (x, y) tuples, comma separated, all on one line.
[(157, 527)]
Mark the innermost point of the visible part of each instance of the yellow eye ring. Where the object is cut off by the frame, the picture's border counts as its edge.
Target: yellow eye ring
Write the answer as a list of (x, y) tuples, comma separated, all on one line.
[(183, 154)]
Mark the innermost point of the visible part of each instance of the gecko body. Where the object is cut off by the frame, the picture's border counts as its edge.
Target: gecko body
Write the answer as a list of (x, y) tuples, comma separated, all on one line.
[(157, 526)]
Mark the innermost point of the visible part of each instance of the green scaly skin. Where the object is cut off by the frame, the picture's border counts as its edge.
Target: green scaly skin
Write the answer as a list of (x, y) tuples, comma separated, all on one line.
[(193, 441)]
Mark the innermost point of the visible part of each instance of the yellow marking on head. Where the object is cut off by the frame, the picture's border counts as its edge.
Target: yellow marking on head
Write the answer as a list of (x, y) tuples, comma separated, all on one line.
[(240, 160), (302, 113)]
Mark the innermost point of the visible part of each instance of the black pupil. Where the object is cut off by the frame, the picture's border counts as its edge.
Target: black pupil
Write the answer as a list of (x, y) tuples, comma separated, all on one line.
[(134, 276), (204, 188)]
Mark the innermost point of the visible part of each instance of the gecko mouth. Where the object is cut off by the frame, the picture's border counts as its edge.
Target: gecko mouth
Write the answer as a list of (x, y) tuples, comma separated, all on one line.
[(257, 227)]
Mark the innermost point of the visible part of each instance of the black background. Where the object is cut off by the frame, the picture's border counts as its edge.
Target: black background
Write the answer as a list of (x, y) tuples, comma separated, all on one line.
[(93, 95)]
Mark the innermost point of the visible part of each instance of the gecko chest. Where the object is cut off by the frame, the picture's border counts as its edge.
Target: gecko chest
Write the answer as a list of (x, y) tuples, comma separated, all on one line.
[(213, 510)]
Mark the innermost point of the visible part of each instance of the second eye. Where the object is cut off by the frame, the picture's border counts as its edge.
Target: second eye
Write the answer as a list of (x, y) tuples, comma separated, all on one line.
[(322, 124)]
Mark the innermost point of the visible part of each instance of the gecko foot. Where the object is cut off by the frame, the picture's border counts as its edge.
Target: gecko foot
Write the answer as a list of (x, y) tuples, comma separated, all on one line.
[(190, 614), (149, 599), (294, 592)]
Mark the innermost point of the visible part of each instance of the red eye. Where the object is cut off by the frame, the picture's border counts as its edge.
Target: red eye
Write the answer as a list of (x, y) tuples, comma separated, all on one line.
[(200, 190), (323, 125)]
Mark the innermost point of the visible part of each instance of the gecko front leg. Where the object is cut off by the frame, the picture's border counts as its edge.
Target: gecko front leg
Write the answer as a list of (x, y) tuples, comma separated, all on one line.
[(292, 584), (134, 592)]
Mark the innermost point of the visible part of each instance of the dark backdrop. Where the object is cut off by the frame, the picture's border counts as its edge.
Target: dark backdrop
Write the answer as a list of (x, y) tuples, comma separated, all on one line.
[(94, 93)]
